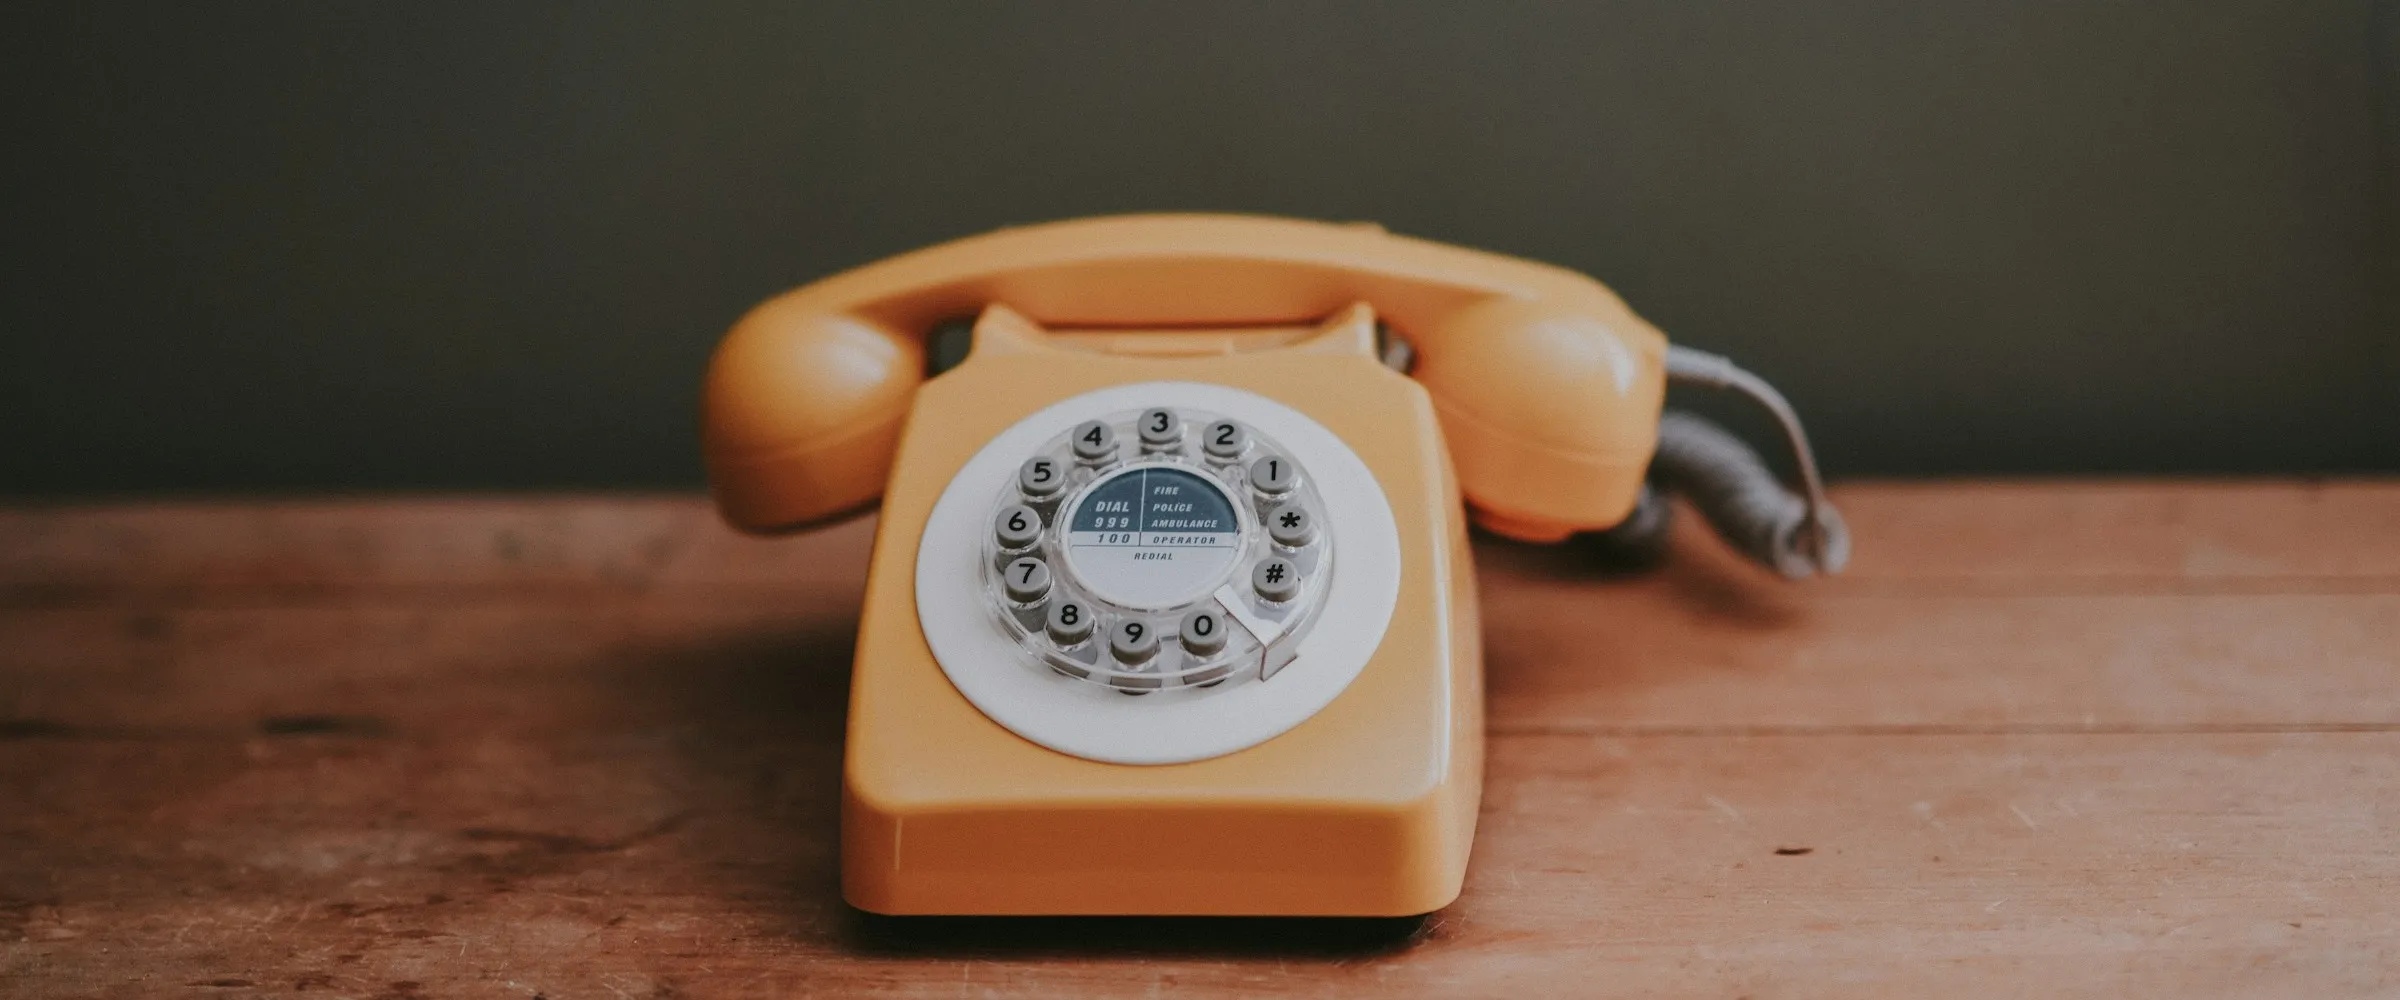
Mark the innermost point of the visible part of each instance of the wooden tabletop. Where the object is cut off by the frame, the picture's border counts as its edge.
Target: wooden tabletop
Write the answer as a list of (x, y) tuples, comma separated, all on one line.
[(2042, 740)]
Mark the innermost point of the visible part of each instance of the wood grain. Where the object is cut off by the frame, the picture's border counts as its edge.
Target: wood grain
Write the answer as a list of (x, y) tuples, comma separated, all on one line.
[(589, 747)]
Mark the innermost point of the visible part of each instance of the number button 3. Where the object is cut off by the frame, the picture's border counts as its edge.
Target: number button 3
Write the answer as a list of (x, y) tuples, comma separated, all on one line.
[(1160, 429)]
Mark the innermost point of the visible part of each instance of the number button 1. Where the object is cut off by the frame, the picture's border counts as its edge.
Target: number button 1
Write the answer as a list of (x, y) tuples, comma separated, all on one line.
[(1273, 475)]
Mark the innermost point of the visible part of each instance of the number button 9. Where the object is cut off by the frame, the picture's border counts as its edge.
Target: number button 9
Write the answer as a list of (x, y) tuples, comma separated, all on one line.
[(1132, 641)]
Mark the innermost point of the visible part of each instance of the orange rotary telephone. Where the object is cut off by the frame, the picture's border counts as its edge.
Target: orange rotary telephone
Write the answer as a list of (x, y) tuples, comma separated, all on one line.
[(1171, 609)]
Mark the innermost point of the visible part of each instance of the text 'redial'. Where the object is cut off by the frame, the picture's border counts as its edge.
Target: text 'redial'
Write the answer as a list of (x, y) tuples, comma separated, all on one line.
[(1156, 536)]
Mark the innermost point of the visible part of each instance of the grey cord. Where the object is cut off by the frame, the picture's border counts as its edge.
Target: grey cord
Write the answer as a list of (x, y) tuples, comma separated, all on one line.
[(1795, 535)]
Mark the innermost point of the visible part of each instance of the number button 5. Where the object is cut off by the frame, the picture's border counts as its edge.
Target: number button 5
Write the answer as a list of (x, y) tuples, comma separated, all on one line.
[(1041, 478)]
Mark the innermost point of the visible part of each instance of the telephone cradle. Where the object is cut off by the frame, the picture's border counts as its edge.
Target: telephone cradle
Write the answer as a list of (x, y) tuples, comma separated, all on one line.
[(1171, 609)]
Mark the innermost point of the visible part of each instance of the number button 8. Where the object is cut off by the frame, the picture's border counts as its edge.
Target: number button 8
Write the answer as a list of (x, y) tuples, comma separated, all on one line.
[(1068, 623)]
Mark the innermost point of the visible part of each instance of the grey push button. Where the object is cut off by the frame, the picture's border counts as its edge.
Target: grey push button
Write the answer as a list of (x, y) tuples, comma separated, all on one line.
[(1068, 623), (1017, 527), (1041, 478), (1132, 641), (1225, 439), (1095, 441), (1203, 632), (1160, 429), (1027, 580), (1291, 525), (1275, 579), (1273, 475)]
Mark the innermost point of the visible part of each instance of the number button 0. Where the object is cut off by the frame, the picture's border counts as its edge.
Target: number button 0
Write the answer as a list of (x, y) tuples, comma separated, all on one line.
[(1225, 439), (1095, 441), (1068, 623), (1203, 633), (1017, 527), (1041, 478), (1160, 429), (1132, 641), (1027, 580)]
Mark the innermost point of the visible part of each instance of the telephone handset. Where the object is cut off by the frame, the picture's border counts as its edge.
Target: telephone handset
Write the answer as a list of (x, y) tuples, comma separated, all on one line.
[(1170, 610)]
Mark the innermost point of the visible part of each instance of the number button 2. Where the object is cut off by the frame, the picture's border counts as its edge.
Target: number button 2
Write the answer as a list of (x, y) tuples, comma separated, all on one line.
[(1225, 439)]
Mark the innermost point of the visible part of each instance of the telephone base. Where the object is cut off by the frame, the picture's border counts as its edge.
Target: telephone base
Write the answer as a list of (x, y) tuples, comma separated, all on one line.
[(958, 802)]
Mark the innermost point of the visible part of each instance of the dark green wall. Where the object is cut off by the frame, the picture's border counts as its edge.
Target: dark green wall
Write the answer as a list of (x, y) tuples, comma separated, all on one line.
[(452, 245)]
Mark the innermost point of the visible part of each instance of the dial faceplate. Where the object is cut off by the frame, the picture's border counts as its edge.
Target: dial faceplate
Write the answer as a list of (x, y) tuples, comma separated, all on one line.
[(1069, 638), (1141, 550), (1152, 536)]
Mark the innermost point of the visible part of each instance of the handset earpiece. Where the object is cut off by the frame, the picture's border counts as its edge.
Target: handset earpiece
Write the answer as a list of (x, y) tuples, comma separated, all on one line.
[(801, 413), (1550, 408)]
